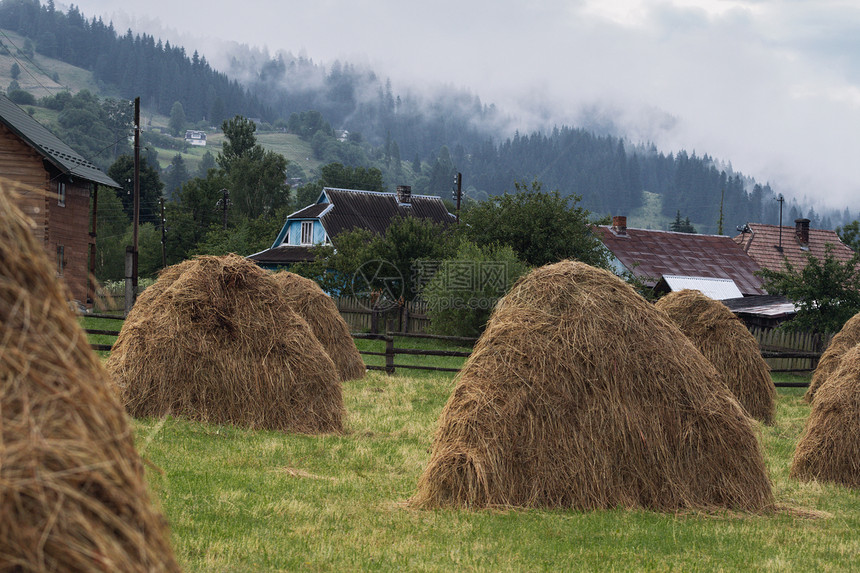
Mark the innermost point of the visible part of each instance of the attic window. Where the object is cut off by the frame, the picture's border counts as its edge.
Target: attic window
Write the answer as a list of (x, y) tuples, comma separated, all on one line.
[(61, 194), (307, 232)]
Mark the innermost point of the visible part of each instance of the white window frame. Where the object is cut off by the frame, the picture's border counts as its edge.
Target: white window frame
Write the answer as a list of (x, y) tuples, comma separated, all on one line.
[(307, 233), (61, 194)]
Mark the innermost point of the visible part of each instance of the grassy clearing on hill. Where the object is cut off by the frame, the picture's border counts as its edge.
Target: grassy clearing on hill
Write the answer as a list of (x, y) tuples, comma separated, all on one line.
[(239, 500)]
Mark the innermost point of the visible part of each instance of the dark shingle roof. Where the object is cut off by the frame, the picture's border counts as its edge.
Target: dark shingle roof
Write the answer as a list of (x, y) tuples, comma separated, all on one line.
[(762, 244), (63, 157), (651, 254), (283, 255), (374, 210)]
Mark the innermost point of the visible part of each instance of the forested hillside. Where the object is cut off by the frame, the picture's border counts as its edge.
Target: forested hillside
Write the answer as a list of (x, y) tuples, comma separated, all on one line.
[(417, 139)]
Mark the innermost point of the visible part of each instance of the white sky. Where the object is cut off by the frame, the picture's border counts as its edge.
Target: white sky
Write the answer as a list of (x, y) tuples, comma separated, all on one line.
[(771, 85)]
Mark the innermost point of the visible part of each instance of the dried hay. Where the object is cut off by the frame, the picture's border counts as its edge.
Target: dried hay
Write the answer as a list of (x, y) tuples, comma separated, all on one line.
[(214, 340), (829, 448), (728, 345), (848, 337), (579, 394), (72, 489), (320, 312)]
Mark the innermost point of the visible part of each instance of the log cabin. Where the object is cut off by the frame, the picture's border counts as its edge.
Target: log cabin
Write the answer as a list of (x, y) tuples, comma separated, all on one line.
[(58, 189)]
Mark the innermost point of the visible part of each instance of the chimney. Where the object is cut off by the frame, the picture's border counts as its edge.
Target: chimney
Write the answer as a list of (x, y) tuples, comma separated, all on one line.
[(801, 232), (404, 194), (619, 225)]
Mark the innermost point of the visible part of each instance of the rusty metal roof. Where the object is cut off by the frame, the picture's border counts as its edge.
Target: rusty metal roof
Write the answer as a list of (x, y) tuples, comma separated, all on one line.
[(650, 254), (763, 241)]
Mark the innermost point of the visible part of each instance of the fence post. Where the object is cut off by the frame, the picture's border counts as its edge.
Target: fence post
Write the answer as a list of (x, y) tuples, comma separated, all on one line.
[(389, 354)]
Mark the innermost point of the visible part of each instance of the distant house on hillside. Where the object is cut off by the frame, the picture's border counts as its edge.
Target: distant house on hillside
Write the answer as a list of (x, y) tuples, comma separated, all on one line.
[(669, 261), (53, 185), (193, 137), (339, 210), (772, 245)]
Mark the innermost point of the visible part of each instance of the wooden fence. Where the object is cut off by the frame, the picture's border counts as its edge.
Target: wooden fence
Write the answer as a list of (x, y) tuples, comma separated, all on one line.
[(790, 351), (361, 315), (784, 351)]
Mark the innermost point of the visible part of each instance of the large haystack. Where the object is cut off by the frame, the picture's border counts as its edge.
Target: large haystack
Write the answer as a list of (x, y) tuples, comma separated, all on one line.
[(320, 312), (214, 340), (72, 490), (579, 394), (728, 345), (829, 448), (843, 341)]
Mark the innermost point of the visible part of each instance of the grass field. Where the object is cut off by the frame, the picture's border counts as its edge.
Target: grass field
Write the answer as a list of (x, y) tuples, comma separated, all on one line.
[(240, 500)]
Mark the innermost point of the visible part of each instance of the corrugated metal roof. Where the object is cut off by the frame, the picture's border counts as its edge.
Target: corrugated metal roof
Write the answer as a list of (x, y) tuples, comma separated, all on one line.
[(770, 306), (762, 243), (650, 254), (374, 210), (717, 289), (63, 157)]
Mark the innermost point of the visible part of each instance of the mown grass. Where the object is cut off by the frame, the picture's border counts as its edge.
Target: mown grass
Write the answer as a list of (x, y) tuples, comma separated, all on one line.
[(240, 500)]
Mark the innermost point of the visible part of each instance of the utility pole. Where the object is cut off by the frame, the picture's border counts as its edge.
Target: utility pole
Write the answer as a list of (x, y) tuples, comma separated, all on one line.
[(457, 192), (136, 189), (163, 224), (225, 200), (132, 251)]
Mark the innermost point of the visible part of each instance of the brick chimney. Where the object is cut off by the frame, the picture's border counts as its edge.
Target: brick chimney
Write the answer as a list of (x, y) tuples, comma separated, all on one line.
[(619, 225), (404, 194), (801, 232)]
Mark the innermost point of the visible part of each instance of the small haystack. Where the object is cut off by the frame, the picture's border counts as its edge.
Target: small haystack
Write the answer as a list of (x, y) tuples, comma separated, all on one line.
[(214, 340), (579, 394), (320, 312), (728, 345), (844, 340), (829, 448), (72, 490)]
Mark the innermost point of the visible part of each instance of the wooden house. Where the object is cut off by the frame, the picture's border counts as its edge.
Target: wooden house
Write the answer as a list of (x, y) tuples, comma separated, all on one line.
[(339, 210), (58, 189)]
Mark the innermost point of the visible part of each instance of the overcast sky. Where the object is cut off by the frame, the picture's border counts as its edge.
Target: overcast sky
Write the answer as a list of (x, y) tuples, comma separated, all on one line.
[(771, 85)]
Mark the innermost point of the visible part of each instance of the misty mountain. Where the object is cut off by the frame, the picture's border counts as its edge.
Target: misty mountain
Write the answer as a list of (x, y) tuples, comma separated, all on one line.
[(438, 132)]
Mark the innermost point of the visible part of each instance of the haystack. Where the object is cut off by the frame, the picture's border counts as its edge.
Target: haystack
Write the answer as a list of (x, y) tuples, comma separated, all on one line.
[(214, 340), (320, 312), (829, 448), (72, 490), (728, 345), (847, 338), (580, 394)]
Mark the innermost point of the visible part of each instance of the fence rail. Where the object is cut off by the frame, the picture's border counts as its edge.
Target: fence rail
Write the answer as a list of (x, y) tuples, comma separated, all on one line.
[(787, 359)]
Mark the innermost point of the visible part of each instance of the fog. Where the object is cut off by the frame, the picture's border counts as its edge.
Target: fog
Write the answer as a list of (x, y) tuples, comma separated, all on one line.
[(773, 86)]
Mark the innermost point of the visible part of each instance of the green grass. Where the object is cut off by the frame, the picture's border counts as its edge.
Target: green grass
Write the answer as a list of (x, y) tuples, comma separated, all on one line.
[(239, 500)]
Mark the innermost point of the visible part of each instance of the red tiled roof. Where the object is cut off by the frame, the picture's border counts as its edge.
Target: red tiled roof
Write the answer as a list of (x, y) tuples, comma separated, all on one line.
[(650, 254), (762, 244)]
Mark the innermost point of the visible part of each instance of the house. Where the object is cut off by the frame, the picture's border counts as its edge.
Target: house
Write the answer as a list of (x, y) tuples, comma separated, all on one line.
[(339, 210), (53, 185), (194, 137), (668, 261), (771, 245)]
